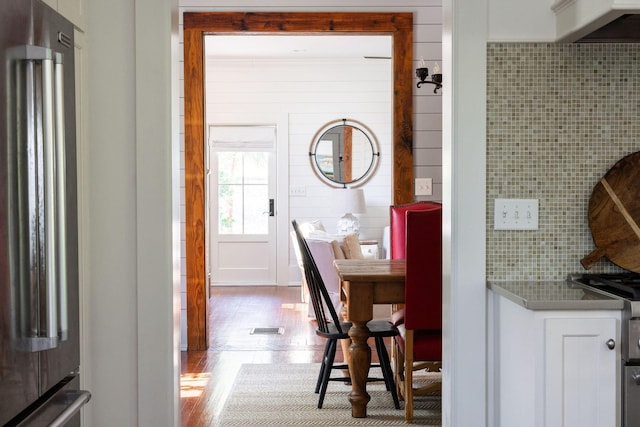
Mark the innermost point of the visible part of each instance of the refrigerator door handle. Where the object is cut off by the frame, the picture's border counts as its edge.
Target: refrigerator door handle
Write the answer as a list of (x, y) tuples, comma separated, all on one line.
[(61, 196), (57, 411), (50, 199), (81, 397), (39, 260)]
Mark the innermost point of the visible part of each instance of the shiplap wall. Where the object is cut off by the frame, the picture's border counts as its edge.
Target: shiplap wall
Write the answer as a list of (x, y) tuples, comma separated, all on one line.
[(427, 106), (309, 93)]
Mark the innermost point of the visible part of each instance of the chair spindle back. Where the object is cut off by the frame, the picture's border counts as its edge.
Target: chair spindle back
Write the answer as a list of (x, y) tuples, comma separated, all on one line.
[(317, 290)]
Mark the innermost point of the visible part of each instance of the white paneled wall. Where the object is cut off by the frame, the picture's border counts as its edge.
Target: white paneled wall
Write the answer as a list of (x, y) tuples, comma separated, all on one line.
[(309, 98), (367, 98), (309, 93)]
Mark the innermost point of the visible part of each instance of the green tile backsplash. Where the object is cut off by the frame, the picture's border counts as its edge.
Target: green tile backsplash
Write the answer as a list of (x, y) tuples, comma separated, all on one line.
[(558, 117)]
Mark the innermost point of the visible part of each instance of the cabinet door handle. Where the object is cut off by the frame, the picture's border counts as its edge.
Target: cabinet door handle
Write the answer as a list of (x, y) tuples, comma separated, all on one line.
[(611, 344)]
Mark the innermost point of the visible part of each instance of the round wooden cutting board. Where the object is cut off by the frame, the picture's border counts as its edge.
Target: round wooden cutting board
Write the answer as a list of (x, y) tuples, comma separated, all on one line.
[(614, 216)]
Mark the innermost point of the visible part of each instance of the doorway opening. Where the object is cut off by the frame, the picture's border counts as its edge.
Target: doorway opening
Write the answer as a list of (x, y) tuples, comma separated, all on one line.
[(196, 26)]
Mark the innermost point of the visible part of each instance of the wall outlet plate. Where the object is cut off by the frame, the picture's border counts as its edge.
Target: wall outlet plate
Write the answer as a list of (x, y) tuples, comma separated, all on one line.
[(424, 186), (515, 214)]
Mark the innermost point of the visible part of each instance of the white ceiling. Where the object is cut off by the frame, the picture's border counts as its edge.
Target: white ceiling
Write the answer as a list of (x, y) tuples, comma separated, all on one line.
[(301, 46)]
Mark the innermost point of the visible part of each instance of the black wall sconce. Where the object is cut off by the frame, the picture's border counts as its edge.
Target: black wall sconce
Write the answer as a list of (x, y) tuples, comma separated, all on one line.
[(422, 73)]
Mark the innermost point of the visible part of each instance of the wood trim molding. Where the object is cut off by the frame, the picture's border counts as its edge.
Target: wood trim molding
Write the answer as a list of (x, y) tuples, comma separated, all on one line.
[(197, 292), (196, 25)]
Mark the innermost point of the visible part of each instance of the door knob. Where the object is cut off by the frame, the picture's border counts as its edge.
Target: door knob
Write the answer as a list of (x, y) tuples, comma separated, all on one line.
[(611, 344)]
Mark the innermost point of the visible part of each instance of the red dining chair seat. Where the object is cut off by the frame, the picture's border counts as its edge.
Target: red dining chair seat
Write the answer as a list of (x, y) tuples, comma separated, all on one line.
[(427, 345)]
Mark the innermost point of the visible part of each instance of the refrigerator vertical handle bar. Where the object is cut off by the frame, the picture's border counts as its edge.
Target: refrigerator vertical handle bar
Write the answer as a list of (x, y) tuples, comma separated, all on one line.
[(61, 200), (36, 256), (50, 200)]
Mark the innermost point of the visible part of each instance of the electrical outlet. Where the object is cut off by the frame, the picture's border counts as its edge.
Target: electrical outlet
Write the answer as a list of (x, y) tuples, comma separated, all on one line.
[(424, 186), (515, 214), (298, 191)]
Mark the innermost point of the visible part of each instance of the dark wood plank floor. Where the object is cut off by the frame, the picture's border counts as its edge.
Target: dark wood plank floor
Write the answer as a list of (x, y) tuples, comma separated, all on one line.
[(207, 376)]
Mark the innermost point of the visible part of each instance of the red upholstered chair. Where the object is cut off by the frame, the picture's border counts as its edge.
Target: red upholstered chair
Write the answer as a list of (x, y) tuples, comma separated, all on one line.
[(397, 225), (419, 345), (398, 234)]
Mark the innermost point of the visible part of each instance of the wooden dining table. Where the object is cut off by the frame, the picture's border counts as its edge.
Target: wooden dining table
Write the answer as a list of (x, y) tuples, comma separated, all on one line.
[(364, 283)]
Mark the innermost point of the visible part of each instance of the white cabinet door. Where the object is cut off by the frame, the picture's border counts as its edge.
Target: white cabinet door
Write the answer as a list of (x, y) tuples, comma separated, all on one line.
[(553, 368), (581, 372)]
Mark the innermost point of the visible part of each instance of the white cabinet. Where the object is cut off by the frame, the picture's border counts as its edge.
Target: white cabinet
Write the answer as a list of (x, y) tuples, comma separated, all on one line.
[(577, 18), (581, 371), (553, 368)]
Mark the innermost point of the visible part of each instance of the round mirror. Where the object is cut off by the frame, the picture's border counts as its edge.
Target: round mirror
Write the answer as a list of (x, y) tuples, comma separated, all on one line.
[(344, 152)]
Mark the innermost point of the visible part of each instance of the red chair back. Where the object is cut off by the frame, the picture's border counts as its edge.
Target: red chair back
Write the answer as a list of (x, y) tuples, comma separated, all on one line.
[(397, 225), (423, 283)]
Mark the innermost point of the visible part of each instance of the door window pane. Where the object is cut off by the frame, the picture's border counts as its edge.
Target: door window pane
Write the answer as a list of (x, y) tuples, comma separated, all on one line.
[(229, 168), (256, 168), (256, 203), (243, 199), (230, 209)]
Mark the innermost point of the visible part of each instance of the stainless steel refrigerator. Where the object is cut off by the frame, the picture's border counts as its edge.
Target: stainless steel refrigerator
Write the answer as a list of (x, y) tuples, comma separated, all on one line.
[(39, 321)]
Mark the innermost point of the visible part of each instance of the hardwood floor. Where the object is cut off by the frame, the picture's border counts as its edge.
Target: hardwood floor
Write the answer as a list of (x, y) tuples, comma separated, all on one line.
[(207, 376)]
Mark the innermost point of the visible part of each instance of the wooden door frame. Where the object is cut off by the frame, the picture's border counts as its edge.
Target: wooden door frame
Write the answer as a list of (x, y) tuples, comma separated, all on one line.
[(196, 26)]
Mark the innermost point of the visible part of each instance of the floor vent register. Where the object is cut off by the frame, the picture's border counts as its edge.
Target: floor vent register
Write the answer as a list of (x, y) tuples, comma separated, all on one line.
[(267, 331)]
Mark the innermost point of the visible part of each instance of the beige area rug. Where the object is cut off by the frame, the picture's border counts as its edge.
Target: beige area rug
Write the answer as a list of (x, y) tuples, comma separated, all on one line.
[(282, 395)]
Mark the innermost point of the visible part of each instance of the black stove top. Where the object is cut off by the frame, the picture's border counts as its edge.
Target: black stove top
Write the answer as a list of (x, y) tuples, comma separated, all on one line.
[(625, 285)]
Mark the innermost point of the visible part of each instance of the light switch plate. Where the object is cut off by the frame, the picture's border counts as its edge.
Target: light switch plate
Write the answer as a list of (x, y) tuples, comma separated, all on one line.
[(298, 191), (424, 186), (515, 214)]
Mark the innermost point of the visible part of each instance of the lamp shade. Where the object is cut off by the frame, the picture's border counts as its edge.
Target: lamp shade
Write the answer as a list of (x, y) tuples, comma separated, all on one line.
[(352, 200)]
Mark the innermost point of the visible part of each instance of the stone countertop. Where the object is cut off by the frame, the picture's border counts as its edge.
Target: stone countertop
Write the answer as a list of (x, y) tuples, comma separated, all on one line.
[(553, 295)]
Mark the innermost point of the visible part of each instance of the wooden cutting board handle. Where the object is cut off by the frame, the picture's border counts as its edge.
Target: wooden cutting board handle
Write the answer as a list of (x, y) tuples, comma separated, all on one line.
[(589, 260)]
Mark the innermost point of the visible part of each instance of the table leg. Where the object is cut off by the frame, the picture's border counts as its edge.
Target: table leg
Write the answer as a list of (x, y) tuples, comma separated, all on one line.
[(359, 363)]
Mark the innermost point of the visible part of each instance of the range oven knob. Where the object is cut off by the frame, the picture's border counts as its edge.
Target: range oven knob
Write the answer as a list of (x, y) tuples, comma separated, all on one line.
[(636, 377)]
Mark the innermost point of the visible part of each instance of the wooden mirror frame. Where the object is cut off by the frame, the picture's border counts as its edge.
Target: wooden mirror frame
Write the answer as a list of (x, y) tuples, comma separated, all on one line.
[(199, 24)]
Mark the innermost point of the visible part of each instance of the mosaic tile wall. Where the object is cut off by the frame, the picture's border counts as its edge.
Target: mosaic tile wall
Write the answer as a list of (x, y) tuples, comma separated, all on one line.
[(559, 116)]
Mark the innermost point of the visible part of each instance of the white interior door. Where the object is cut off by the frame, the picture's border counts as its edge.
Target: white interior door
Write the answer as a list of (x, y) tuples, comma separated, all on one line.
[(242, 194)]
